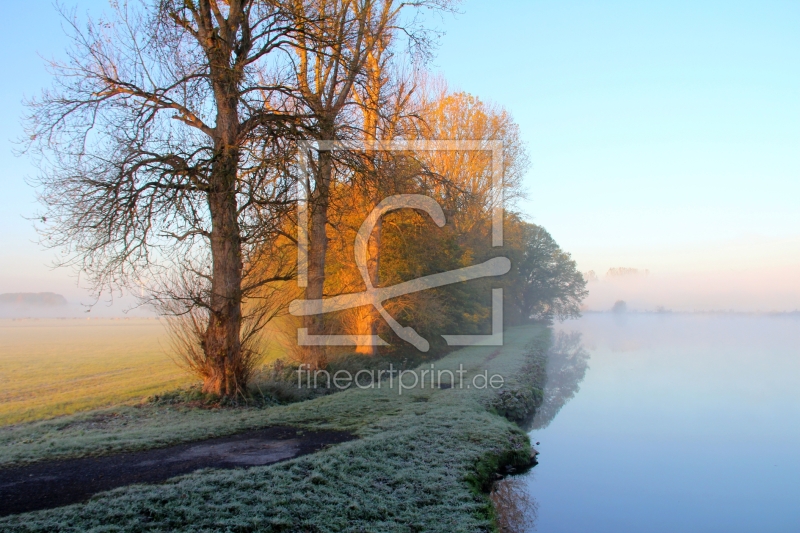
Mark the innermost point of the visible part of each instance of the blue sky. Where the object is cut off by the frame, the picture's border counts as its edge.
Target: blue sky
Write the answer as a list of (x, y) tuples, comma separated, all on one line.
[(657, 130), (662, 135)]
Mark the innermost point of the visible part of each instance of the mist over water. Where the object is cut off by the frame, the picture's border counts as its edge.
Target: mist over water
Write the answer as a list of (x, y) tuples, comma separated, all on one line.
[(761, 290), (670, 423)]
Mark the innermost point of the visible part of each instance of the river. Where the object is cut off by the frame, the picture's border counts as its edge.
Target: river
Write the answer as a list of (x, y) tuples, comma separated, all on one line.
[(667, 423)]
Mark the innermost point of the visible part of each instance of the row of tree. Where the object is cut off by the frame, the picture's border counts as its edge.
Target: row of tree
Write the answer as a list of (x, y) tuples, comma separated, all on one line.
[(175, 140)]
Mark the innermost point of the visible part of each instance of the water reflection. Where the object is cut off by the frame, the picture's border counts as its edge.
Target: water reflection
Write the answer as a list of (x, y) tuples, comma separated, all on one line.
[(516, 509), (567, 362)]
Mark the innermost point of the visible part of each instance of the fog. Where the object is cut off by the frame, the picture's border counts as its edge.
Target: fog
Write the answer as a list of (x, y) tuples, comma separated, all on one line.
[(754, 290), (25, 305)]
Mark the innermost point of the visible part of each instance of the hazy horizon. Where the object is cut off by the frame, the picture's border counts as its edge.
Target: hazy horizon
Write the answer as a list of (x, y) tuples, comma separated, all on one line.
[(661, 137)]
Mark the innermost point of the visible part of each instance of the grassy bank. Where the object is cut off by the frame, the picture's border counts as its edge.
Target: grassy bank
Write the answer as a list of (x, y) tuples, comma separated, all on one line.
[(423, 461)]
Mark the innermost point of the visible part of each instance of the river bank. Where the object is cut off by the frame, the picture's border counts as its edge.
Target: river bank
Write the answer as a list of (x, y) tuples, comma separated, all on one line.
[(424, 458)]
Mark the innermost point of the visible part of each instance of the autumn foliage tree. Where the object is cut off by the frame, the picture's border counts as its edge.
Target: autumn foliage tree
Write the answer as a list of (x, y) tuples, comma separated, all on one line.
[(341, 67), (169, 162), (544, 283), (168, 154)]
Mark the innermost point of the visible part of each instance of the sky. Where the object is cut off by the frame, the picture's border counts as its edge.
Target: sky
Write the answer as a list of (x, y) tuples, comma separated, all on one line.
[(662, 136)]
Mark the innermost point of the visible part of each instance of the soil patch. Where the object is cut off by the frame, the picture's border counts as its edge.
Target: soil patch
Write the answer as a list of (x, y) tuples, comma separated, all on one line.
[(56, 483)]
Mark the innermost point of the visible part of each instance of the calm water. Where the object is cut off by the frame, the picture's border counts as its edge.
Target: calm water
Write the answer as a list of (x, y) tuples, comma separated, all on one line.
[(669, 423)]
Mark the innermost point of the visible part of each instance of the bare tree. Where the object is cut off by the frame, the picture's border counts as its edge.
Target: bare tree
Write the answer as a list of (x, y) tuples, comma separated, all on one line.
[(333, 59), (163, 153)]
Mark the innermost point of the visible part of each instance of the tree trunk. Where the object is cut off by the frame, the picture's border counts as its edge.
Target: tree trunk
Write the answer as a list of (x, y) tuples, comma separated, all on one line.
[(318, 249), (372, 103), (373, 268), (222, 344)]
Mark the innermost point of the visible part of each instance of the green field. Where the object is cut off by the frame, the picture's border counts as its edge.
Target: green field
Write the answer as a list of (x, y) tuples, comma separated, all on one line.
[(52, 367)]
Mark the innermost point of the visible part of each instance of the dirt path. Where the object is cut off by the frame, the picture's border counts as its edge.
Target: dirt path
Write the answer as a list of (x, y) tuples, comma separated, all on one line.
[(56, 483)]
